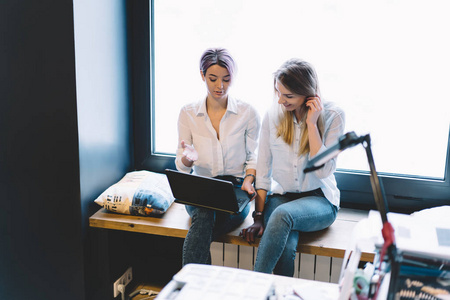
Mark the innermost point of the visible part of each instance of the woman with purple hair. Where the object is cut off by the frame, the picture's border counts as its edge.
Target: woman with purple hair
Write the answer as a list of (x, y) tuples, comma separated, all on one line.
[(217, 137)]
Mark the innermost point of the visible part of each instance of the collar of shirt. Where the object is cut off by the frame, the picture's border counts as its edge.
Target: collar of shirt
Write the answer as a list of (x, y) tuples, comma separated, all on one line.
[(231, 107), (296, 121)]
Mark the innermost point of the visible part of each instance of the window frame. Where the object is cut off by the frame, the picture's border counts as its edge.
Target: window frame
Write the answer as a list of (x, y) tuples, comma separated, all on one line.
[(403, 194)]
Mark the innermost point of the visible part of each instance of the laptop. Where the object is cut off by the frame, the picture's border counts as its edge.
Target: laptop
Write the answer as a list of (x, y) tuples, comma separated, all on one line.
[(207, 192)]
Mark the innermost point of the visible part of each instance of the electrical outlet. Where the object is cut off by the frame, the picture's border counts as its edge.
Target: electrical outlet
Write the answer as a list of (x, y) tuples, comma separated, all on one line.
[(124, 279)]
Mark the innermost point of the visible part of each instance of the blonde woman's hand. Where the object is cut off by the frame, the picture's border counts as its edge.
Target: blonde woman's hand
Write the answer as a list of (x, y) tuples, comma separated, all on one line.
[(315, 108), (250, 233)]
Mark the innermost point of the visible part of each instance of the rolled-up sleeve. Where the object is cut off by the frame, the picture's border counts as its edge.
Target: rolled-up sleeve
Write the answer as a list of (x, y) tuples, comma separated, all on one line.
[(264, 162), (251, 140), (184, 134), (333, 131)]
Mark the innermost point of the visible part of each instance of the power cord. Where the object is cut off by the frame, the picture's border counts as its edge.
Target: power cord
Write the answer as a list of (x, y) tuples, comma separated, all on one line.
[(121, 289)]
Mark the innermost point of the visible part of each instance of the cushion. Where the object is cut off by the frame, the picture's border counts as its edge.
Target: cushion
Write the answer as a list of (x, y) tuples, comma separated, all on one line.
[(142, 193)]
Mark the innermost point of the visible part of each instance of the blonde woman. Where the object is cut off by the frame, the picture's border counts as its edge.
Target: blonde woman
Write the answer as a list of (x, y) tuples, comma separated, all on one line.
[(288, 201)]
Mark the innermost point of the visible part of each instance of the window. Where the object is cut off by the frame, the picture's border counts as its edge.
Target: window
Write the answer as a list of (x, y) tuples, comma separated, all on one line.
[(384, 62)]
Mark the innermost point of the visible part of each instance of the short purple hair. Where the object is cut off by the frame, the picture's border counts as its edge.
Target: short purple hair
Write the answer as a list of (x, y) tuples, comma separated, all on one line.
[(217, 56)]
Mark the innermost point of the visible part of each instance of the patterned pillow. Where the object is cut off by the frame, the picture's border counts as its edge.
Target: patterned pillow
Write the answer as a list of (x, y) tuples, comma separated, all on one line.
[(142, 193)]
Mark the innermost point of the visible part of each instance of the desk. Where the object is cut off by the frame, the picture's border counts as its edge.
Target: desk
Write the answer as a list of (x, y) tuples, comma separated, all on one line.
[(219, 283)]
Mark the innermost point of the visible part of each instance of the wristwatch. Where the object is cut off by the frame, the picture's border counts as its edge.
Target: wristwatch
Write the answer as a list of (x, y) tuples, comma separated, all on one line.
[(257, 214)]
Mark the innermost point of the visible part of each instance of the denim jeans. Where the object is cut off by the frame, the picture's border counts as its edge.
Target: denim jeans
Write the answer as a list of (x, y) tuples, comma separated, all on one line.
[(206, 226), (285, 216)]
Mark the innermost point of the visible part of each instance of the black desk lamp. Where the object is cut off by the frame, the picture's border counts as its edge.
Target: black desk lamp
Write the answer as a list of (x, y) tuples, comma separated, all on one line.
[(348, 140)]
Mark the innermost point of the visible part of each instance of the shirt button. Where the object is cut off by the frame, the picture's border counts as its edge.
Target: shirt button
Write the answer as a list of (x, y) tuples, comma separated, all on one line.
[(296, 179)]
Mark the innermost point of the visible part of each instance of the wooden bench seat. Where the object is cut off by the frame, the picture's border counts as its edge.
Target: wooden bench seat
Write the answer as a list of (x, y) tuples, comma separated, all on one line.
[(330, 242)]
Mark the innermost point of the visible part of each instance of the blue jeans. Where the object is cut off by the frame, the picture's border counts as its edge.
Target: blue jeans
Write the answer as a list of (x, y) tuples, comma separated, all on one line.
[(285, 216), (206, 226)]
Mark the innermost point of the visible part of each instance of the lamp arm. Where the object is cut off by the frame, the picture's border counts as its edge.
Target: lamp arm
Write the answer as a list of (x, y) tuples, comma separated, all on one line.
[(377, 187), (387, 231)]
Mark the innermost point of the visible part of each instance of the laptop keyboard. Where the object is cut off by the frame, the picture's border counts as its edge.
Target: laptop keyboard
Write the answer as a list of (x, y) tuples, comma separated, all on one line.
[(241, 201)]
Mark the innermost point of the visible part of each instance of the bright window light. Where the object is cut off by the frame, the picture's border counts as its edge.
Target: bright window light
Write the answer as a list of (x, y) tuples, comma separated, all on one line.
[(386, 63)]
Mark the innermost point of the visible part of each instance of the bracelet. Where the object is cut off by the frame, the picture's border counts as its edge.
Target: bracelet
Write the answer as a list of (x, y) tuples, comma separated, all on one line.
[(254, 178)]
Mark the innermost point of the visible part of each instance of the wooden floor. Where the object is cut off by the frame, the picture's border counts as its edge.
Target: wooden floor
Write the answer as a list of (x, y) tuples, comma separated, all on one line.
[(147, 287)]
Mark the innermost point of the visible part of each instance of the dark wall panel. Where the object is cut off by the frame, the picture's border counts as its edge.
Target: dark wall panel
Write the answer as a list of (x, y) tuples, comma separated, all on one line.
[(103, 128), (41, 255)]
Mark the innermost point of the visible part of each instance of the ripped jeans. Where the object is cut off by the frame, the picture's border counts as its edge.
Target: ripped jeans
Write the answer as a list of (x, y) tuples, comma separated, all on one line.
[(206, 226), (285, 216)]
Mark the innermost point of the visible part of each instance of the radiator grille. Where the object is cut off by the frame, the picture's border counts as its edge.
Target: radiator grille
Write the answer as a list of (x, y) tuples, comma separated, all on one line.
[(307, 266)]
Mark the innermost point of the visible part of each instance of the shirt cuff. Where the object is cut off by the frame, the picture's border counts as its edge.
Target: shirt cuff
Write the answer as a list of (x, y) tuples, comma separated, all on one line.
[(181, 167), (321, 150), (262, 183)]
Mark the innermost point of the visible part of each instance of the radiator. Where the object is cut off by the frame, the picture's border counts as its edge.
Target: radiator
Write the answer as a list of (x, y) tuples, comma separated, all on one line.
[(307, 266)]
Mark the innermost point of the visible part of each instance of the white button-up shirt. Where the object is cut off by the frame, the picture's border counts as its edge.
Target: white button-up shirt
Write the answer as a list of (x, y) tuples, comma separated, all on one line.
[(280, 161), (233, 153)]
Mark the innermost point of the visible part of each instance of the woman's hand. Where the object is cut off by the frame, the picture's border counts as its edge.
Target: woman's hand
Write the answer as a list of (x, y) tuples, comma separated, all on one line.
[(247, 186), (315, 108), (189, 153), (250, 233)]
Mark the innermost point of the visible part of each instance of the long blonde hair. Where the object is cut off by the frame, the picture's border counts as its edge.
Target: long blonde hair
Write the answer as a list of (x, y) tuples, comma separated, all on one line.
[(300, 78)]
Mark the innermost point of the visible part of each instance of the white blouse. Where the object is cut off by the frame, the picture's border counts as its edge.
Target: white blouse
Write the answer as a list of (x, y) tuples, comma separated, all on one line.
[(233, 153), (280, 161)]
